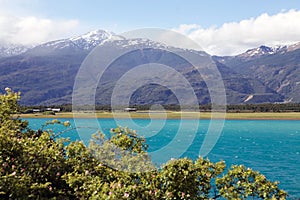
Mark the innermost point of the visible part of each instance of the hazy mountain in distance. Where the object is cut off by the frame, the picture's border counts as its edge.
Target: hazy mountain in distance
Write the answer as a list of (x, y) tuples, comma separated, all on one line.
[(12, 50)]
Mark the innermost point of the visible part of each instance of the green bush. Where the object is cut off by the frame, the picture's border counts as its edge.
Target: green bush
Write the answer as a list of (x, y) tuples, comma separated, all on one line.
[(38, 165)]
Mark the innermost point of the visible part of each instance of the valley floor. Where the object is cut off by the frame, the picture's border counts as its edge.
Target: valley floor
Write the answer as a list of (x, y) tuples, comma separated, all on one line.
[(172, 115)]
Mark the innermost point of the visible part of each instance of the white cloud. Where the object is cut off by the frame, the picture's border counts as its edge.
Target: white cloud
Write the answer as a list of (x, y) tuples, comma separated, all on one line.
[(236, 37), (32, 30)]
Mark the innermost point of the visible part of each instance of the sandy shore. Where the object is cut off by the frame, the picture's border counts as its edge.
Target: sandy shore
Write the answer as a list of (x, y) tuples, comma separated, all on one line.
[(171, 115)]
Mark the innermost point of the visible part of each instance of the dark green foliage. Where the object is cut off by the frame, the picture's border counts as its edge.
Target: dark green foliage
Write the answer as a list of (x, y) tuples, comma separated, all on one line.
[(267, 107), (288, 107)]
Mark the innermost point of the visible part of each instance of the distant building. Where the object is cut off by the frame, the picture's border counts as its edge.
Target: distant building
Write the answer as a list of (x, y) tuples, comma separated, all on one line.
[(130, 109), (55, 109), (35, 110)]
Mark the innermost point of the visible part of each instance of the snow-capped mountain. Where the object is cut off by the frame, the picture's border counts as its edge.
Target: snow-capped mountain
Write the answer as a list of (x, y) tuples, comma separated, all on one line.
[(12, 50), (99, 37), (45, 74), (277, 68), (84, 42), (265, 50), (91, 39), (261, 51)]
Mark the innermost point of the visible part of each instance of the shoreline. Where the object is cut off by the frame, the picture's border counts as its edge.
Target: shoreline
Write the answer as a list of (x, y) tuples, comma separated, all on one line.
[(171, 115)]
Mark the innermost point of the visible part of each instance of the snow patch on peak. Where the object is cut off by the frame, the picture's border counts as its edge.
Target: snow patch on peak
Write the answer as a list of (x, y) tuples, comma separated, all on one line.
[(92, 39), (261, 51), (135, 42), (12, 50), (97, 35), (85, 42)]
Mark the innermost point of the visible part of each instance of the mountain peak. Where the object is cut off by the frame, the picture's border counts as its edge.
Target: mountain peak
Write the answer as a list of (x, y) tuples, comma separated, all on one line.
[(83, 42), (265, 50), (261, 51), (96, 35), (92, 39)]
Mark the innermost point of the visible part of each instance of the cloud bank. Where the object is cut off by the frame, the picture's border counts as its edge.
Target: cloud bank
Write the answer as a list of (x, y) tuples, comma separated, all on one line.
[(31, 30), (236, 37)]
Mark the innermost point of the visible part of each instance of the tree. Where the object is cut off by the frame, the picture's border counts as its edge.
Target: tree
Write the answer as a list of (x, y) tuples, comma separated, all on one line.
[(32, 162), (241, 182), (35, 164)]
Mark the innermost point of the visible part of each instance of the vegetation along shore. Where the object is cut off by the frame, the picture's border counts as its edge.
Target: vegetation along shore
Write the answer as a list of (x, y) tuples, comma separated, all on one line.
[(170, 115)]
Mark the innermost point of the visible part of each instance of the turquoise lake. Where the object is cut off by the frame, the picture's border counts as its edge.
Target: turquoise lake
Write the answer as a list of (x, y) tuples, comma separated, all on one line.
[(269, 146)]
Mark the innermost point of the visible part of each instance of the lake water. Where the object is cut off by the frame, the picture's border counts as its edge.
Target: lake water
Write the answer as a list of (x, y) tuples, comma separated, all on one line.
[(269, 146)]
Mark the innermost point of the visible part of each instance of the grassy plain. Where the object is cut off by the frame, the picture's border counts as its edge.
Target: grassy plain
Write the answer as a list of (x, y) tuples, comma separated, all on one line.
[(172, 115)]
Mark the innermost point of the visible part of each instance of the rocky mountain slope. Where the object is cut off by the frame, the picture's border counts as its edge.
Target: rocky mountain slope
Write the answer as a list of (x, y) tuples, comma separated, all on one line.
[(278, 69), (46, 73)]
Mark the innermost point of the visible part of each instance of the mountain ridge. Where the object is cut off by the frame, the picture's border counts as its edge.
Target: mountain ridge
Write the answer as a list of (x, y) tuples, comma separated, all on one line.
[(45, 74), (95, 37)]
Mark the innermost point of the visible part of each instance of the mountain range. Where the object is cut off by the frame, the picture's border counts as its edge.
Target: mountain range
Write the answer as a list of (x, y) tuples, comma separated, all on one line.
[(45, 74)]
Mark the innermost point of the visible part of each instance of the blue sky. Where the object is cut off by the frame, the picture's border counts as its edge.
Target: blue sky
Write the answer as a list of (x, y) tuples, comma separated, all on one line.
[(74, 17), (123, 15)]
